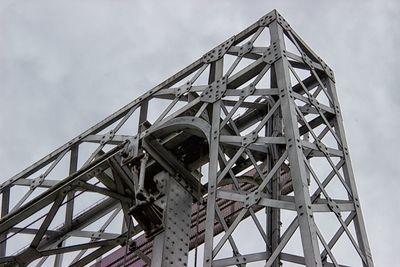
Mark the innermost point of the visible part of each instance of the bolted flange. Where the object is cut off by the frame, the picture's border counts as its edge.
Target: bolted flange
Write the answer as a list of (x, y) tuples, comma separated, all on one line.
[(244, 49), (327, 69), (285, 25), (249, 139), (272, 54), (267, 19), (183, 89), (252, 199), (214, 91), (249, 90), (218, 52)]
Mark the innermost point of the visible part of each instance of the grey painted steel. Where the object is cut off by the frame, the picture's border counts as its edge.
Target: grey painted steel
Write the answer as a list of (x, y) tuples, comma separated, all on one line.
[(295, 154), (260, 117), (171, 247)]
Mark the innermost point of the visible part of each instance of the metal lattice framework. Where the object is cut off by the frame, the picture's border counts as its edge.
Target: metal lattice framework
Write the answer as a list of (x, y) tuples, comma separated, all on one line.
[(253, 125)]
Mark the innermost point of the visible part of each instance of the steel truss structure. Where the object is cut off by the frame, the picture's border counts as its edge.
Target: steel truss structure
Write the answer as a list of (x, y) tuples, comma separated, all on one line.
[(253, 125)]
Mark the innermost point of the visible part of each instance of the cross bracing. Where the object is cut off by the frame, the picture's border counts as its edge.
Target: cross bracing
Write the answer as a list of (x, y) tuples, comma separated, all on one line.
[(253, 125)]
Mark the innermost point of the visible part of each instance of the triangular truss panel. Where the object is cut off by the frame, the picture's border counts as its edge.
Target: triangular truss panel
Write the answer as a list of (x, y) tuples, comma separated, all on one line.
[(253, 126)]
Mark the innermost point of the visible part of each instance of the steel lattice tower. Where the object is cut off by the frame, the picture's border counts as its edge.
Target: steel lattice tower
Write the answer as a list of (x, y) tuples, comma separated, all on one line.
[(253, 125)]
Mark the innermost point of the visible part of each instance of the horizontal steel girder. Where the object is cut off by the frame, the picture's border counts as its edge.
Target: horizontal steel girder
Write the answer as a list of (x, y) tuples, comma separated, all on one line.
[(262, 118)]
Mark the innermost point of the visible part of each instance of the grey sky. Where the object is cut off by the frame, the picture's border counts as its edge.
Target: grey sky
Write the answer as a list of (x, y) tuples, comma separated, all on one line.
[(65, 65)]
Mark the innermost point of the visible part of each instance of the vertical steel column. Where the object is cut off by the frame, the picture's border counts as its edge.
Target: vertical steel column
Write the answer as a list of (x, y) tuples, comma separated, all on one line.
[(59, 257), (273, 215), (144, 109), (69, 211), (215, 73), (349, 178), (73, 167), (295, 154), (5, 208), (171, 247), (266, 169)]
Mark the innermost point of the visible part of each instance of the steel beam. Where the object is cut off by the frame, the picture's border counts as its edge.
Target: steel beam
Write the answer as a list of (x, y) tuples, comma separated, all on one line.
[(171, 246), (258, 127)]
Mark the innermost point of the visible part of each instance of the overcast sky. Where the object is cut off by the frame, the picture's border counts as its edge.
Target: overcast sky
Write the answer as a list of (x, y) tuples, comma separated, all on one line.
[(65, 65)]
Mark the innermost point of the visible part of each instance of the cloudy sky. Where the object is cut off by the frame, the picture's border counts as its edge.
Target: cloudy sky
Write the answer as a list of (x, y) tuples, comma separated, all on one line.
[(65, 65)]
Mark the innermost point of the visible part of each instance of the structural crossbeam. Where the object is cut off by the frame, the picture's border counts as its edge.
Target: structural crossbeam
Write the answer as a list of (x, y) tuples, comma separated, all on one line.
[(249, 134)]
